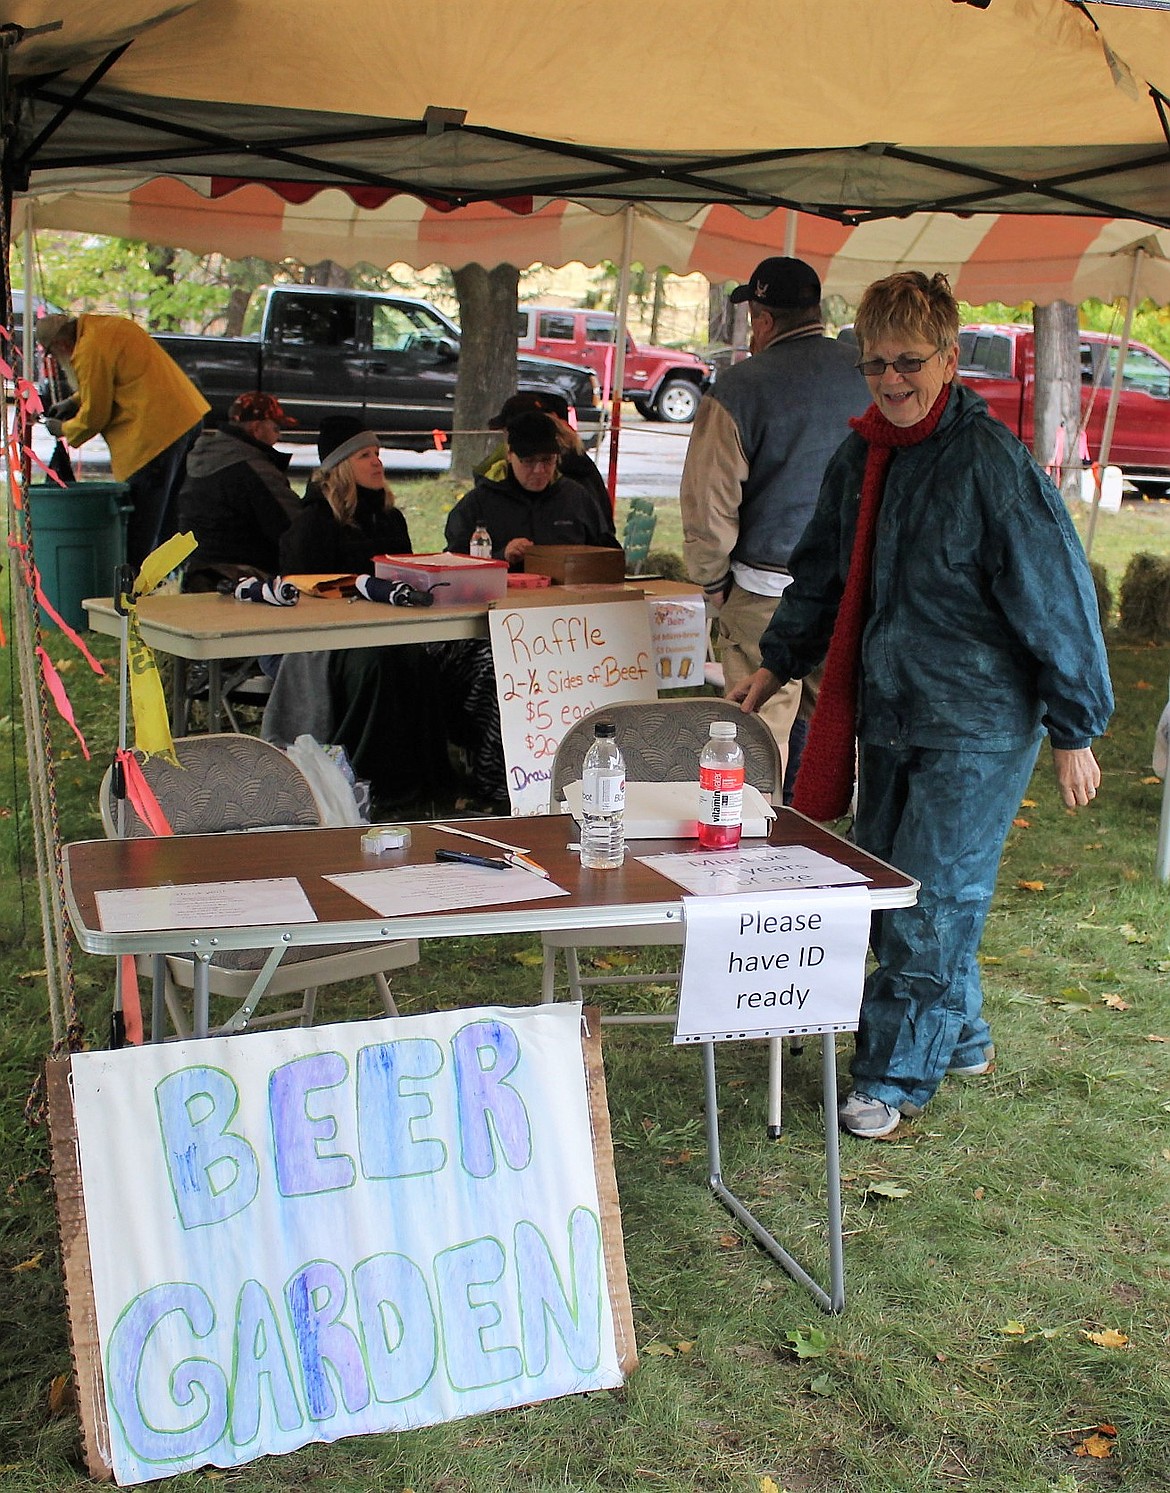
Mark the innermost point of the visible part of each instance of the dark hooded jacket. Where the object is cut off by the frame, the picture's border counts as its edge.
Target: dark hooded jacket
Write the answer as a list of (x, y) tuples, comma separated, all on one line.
[(564, 513), (317, 544), (237, 501)]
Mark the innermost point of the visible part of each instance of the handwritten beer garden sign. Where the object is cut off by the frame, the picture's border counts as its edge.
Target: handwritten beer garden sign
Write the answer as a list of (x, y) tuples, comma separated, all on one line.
[(302, 1235)]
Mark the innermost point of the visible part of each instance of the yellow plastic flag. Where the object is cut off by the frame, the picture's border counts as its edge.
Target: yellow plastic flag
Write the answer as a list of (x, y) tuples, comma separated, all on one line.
[(152, 726)]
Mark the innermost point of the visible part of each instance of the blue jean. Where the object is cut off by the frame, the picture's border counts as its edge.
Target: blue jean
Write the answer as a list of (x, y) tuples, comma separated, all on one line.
[(153, 491), (941, 817)]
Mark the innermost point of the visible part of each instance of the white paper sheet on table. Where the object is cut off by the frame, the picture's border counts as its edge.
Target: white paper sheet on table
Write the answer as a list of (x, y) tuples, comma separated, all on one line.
[(670, 811), (212, 904), (756, 868), (406, 891)]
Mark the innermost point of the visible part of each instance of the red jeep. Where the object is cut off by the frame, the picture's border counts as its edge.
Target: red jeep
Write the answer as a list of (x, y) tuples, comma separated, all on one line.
[(662, 382)]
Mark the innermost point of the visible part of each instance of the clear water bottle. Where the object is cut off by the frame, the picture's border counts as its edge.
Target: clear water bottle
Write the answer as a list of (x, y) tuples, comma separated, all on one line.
[(481, 544), (603, 802), (721, 789)]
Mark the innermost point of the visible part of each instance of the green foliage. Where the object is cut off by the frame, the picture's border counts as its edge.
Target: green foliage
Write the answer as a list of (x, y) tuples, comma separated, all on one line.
[(1151, 324)]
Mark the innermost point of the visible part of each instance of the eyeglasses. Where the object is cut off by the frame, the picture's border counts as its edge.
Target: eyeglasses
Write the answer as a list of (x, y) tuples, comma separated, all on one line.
[(904, 363), (530, 463)]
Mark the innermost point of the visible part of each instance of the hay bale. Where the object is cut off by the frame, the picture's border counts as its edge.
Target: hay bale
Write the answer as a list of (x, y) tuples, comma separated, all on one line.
[(1104, 594), (1145, 599), (666, 564)]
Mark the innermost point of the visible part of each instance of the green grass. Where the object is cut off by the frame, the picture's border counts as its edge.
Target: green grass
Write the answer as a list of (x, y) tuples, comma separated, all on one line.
[(1039, 1195)]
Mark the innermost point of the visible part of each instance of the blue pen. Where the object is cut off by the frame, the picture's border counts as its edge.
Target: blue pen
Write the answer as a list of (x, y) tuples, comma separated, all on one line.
[(465, 858)]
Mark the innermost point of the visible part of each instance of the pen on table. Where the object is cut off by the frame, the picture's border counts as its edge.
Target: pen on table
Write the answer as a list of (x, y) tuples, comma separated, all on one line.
[(526, 863), (465, 858)]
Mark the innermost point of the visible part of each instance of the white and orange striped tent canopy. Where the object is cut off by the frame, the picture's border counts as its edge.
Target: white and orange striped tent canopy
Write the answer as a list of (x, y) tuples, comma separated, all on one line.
[(988, 257), (843, 108)]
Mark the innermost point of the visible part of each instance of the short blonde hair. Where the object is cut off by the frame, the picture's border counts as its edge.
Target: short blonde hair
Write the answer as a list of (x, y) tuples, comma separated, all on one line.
[(909, 305)]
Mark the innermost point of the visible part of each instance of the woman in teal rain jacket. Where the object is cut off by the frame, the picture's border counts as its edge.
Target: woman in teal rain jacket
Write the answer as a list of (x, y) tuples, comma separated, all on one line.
[(943, 576)]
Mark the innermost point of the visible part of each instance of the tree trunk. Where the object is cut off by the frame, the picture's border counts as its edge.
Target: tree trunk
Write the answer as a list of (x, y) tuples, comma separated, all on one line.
[(1057, 391), (658, 306), (328, 272), (487, 359), (236, 306)]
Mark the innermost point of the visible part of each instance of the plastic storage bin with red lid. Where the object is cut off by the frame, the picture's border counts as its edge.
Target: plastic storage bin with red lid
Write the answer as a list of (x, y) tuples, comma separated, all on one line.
[(455, 580)]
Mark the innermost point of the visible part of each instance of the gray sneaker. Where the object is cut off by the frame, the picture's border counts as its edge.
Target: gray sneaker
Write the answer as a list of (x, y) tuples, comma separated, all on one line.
[(868, 1118), (975, 1070)]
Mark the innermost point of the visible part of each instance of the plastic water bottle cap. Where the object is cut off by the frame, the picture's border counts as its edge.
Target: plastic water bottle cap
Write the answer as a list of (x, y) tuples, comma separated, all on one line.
[(607, 728), (723, 730)]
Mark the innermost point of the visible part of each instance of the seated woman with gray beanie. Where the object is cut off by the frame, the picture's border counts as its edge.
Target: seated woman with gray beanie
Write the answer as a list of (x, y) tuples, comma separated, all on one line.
[(380, 700)]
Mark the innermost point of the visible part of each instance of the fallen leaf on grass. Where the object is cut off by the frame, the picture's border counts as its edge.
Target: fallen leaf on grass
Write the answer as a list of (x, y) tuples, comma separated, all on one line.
[(990, 959), (823, 1385), (767, 1485), (1149, 782), (1024, 1335), (32, 1263), (530, 958), (658, 1350), (1096, 1441), (1028, 803), (1096, 845), (1022, 823), (1131, 934), (1152, 1037), (729, 1241), (1031, 886), (61, 1398), (808, 1342), (684, 1347), (885, 1190), (1114, 1001), (680, 1159), (1142, 684), (978, 1194), (1110, 1338)]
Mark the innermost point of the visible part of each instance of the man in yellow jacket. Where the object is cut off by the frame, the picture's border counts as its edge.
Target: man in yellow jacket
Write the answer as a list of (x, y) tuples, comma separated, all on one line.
[(135, 395)]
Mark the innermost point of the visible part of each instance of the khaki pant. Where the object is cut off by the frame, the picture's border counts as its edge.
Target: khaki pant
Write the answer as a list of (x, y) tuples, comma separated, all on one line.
[(742, 621)]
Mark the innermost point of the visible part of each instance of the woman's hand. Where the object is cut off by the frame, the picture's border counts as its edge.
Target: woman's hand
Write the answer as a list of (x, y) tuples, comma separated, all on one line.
[(1078, 774), (754, 691), (514, 550)]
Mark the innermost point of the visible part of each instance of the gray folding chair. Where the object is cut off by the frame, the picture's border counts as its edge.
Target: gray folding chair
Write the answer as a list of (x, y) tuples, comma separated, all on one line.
[(231, 783), (660, 741)]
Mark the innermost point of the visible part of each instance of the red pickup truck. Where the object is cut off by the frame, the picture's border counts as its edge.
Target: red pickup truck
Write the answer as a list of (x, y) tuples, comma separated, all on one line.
[(664, 383), (999, 362)]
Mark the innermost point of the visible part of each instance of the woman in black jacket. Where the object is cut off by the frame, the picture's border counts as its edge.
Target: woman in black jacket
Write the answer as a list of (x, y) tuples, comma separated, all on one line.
[(380, 699)]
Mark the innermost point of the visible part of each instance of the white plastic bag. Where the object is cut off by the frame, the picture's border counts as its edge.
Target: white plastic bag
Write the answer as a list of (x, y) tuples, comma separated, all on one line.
[(331, 789)]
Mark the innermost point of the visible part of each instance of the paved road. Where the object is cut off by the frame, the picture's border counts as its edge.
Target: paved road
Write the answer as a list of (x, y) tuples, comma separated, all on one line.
[(650, 458)]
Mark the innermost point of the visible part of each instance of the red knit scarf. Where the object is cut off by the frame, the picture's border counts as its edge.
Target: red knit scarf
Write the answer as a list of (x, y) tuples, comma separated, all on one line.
[(824, 784)]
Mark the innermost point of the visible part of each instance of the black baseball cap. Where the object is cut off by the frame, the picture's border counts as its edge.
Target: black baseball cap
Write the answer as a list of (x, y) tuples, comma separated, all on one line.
[(781, 285), (536, 401)]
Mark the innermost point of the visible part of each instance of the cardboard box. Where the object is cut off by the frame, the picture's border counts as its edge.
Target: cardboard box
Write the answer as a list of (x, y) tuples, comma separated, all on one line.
[(455, 580), (576, 564)]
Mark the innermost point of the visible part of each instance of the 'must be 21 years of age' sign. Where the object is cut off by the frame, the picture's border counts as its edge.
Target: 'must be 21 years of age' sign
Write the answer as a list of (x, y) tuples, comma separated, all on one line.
[(301, 1235)]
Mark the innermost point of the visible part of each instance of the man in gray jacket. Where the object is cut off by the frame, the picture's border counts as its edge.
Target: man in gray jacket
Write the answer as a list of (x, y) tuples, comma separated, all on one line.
[(760, 444)]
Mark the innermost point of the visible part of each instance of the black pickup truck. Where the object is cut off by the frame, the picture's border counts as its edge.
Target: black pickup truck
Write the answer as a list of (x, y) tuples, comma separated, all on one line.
[(390, 360)]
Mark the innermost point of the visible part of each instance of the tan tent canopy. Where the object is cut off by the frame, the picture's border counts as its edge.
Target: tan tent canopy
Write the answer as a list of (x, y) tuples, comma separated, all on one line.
[(845, 108)]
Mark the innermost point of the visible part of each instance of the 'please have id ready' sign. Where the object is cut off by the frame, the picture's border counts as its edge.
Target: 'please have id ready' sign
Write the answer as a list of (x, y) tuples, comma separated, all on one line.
[(773, 964)]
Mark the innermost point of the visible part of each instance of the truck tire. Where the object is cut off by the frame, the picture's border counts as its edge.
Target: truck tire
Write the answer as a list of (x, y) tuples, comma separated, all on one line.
[(645, 408), (677, 401)]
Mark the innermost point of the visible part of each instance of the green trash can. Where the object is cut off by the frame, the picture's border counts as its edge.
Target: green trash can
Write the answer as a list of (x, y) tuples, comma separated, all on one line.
[(79, 539)]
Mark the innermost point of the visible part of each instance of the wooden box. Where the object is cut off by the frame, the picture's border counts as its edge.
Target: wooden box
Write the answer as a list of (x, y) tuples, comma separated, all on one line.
[(576, 564)]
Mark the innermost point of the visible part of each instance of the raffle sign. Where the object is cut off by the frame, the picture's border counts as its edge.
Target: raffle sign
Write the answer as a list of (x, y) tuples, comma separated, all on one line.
[(555, 664), (302, 1235)]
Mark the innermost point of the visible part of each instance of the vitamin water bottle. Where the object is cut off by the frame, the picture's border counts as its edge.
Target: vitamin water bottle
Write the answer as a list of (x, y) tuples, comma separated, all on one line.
[(721, 789), (603, 802)]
